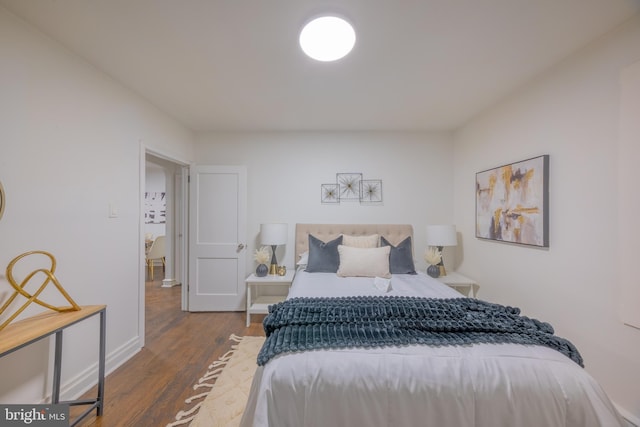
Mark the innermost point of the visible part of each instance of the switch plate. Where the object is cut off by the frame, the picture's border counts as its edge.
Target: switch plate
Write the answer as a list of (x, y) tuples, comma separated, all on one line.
[(113, 210)]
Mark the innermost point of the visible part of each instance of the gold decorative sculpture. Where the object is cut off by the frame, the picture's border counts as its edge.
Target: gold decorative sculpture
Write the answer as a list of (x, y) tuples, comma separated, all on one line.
[(19, 288)]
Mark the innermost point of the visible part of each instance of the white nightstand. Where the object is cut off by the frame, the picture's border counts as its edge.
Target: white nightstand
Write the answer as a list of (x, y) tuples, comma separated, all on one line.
[(460, 283), (260, 304)]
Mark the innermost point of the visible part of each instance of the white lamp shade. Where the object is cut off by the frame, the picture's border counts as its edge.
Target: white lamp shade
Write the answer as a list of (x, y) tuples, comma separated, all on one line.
[(441, 235), (273, 234)]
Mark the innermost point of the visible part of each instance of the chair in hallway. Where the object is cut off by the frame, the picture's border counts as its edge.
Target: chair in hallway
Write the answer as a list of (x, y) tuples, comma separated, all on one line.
[(156, 253)]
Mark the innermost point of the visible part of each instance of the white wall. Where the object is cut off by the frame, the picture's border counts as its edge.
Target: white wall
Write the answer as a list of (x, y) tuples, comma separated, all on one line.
[(285, 171), (571, 113), (70, 142)]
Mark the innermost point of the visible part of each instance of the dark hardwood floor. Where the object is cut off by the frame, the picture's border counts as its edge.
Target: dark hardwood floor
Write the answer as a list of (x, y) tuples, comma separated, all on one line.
[(150, 388)]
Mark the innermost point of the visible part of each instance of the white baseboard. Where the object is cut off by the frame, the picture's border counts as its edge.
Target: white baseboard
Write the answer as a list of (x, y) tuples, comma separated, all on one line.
[(168, 283), (81, 383), (632, 420)]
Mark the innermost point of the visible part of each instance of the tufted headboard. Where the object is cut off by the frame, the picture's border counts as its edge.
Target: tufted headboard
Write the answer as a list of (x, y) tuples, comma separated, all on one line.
[(394, 233)]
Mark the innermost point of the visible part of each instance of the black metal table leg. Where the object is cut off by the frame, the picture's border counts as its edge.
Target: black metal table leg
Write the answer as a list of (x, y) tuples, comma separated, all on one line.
[(101, 363), (57, 368)]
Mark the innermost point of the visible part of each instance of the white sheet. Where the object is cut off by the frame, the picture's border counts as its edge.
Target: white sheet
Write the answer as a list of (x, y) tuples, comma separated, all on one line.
[(482, 385), (329, 284)]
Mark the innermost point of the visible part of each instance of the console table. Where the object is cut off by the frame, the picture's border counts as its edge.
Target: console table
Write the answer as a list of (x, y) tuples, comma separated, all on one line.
[(24, 332)]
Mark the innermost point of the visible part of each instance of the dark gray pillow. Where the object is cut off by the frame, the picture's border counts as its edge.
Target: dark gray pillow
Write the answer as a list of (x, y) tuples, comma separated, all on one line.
[(400, 257), (323, 257)]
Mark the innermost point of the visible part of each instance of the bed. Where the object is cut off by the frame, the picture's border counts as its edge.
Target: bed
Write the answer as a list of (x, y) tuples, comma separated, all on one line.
[(474, 384)]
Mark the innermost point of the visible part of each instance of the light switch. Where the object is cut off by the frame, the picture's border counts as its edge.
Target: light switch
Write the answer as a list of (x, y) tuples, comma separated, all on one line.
[(113, 210)]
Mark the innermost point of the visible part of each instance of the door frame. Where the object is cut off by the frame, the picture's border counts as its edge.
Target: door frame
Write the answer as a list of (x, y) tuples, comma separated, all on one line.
[(181, 202)]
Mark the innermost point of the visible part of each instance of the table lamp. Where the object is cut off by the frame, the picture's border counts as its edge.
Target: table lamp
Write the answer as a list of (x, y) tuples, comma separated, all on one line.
[(440, 236), (273, 235)]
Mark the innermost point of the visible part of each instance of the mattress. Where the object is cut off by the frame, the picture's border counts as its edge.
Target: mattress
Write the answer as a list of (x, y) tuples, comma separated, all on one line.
[(480, 385)]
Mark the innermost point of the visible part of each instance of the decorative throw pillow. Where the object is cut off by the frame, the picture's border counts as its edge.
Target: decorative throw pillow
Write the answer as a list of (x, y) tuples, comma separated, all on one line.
[(323, 257), (364, 262), (304, 259), (401, 257), (361, 241)]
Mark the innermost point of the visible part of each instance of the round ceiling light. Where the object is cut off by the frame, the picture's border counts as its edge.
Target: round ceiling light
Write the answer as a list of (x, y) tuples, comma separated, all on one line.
[(327, 38)]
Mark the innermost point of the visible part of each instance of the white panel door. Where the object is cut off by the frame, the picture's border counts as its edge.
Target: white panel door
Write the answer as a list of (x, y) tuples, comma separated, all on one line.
[(217, 238)]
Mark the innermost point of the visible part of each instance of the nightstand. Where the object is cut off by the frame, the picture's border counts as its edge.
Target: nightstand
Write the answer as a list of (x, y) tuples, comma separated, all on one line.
[(260, 304), (460, 283)]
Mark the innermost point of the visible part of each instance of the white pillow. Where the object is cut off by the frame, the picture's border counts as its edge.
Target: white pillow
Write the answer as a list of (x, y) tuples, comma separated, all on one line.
[(304, 259), (364, 262), (371, 241)]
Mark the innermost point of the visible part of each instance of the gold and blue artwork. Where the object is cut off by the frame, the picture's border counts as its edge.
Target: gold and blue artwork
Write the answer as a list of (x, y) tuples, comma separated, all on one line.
[(512, 202)]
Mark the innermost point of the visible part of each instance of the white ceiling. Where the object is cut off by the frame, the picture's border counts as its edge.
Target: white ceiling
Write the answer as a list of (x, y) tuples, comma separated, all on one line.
[(236, 65)]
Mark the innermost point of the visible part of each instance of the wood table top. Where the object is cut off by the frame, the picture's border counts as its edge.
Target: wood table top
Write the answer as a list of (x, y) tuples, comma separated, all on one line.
[(24, 331)]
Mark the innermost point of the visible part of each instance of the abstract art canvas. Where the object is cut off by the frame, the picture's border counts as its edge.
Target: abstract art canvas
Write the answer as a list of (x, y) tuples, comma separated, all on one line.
[(512, 202), (155, 208)]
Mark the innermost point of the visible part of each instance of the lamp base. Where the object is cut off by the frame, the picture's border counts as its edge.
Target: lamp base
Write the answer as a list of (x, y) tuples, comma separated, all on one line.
[(273, 268), (443, 272)]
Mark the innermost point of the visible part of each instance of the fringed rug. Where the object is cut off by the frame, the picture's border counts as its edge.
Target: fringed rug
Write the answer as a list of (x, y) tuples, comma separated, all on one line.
[(228, 380)]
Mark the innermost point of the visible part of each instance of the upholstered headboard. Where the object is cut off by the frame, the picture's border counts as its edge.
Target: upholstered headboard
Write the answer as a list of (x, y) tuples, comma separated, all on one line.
[(394, 233)]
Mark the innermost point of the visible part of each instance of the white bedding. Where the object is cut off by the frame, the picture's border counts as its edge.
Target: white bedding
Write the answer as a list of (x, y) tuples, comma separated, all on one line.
[(480, 385), (329, 284)]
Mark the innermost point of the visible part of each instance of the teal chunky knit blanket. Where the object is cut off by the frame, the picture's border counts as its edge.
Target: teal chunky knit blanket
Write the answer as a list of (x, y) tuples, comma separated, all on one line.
[(301, 324)]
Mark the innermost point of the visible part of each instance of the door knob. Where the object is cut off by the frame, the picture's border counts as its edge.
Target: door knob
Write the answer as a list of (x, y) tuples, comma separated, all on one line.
[(240, 247)]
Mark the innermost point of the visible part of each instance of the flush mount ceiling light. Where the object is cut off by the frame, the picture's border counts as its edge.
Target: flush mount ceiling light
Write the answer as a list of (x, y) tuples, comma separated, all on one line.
[(327, 38)]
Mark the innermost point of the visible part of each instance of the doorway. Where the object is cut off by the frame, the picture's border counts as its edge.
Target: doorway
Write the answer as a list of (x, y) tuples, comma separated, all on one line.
[(166, 217)]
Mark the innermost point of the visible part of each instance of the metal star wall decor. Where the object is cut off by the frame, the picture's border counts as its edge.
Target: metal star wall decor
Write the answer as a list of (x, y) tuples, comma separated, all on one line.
[(371, 191), (351, 187), (330, 193)]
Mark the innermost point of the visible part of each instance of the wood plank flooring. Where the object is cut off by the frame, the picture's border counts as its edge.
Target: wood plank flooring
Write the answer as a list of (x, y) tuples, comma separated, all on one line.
[(150, 388)]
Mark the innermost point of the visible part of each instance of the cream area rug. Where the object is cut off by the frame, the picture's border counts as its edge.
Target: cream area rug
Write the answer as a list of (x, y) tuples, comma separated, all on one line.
[(228, 381)]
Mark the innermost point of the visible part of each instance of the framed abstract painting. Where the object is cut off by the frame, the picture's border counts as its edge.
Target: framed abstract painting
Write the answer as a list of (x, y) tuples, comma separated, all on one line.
[(512, 202), (155, 208)]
